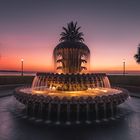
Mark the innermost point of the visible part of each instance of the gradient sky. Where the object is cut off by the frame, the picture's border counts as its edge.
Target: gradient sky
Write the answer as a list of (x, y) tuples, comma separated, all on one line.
[(30, 29)]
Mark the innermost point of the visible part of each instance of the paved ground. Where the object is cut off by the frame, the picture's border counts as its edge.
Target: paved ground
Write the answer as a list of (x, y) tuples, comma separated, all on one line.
[(12, 127), (132, 94), (7, 90)]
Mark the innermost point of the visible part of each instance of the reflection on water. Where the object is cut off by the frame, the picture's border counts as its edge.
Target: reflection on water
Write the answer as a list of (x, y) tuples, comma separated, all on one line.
[(12, 127)]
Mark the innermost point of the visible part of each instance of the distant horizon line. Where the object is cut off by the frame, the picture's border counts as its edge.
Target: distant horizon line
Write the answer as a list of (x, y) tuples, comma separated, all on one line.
[(92, 71)]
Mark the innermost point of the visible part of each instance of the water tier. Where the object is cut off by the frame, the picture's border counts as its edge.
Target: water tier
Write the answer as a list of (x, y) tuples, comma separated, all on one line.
[(71, 106), (69, 82)]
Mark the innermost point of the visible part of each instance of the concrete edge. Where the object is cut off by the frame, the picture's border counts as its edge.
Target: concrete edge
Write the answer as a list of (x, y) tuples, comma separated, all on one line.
[(5, 95), (11, 86)]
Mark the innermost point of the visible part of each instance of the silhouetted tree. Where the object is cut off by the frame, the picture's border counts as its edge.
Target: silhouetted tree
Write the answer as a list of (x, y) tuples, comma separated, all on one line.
[(137, 56)]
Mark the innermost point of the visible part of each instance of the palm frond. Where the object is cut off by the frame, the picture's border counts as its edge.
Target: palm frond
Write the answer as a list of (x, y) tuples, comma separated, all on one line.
[(137, 56)]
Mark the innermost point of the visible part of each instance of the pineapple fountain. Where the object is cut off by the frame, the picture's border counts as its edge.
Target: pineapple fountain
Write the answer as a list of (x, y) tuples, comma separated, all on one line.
[(71, 95)]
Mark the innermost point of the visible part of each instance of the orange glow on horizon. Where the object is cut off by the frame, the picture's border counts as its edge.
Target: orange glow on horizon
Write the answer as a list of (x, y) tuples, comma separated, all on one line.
[(14, 63), (37, 55), (31, 30), (43, 61)]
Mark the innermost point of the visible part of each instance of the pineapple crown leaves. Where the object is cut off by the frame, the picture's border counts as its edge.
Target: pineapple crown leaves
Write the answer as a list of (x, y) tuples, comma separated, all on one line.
[(71, 33)]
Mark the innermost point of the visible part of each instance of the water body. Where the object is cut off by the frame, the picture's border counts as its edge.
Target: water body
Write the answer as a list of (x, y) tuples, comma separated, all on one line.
[(17, 73), (34, 73), (13, 127)]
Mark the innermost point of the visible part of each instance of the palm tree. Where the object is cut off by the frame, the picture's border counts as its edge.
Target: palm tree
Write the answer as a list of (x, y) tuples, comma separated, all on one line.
[(137, 56), (71, 33)]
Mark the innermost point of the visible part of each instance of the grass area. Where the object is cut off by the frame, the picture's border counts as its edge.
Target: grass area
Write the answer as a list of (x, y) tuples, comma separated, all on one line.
[(125, 80), (7, 80)]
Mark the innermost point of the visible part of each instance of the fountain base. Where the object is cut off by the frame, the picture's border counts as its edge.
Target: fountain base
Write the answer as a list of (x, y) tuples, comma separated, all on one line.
[(66, 106)]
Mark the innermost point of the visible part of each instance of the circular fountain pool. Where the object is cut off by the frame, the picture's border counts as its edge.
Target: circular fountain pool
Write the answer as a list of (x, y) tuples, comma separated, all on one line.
[(44, 101)]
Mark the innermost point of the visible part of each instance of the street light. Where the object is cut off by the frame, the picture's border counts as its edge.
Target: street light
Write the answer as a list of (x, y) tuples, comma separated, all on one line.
[(22, 67), (124, 67)]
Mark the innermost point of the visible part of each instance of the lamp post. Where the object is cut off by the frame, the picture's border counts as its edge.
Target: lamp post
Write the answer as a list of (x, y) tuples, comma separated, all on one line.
[(124, 67), (22, 67)]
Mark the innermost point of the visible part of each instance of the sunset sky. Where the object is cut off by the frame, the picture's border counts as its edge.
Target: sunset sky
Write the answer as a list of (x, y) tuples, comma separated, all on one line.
[(30, 29)]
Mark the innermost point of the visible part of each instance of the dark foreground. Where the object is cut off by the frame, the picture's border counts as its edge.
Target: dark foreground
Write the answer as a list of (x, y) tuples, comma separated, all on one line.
[(13, 127)]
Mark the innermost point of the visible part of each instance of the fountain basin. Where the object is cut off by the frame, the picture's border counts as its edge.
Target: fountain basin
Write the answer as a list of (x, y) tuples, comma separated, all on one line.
[(71, 106)]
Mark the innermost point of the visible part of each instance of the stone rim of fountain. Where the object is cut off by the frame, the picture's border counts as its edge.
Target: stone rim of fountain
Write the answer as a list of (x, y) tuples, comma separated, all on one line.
[(54, 99), (34, 102)]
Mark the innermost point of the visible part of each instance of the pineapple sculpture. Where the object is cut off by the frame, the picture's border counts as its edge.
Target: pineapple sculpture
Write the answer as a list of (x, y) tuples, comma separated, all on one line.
[(71, 55)]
